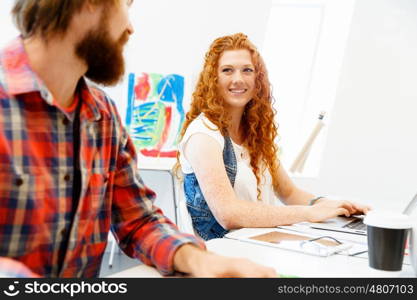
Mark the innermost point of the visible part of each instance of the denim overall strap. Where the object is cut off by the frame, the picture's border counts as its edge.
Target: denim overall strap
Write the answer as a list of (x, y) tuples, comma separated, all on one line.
[(203, 220), (229, 159)]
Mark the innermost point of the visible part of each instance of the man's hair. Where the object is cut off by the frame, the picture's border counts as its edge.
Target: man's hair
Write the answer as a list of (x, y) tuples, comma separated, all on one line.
[(48, 17)]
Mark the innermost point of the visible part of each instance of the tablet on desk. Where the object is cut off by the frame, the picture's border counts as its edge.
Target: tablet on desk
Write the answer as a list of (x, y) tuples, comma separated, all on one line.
[(281, 238)]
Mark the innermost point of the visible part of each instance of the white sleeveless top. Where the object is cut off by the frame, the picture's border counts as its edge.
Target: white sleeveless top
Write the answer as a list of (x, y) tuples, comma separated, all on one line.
[(245, 183)]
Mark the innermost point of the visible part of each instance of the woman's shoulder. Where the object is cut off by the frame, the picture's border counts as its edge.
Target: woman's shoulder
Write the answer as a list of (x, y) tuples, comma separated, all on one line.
[(202, 123)]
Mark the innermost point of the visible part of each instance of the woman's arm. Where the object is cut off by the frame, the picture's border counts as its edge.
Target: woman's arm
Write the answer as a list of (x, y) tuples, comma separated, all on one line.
[(288, 192), (205, 156), (292, 195)]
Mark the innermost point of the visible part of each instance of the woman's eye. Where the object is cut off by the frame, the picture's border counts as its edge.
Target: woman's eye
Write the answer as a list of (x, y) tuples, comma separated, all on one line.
[(227, 70), (250, 70)]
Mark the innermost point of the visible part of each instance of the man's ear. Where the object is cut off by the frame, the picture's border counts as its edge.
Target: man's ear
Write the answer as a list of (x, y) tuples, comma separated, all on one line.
[(92, 5), (97, 6), (89, 14)]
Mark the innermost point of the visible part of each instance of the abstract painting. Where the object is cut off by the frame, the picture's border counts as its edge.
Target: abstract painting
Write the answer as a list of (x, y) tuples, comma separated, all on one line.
[(154, 116)]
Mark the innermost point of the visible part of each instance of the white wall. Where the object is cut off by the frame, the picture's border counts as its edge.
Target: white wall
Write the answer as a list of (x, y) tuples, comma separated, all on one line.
[(7, 30), (372, 146), (371, 151)]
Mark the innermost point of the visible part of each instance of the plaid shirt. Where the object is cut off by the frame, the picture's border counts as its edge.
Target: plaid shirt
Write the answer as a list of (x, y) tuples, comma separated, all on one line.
[(36, 177)]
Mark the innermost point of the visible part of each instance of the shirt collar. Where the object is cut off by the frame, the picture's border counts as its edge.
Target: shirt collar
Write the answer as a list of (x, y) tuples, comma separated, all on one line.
[(19, 78)]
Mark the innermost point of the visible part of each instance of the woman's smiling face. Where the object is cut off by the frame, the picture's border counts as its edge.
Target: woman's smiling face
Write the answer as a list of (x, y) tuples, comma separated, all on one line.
[(236, 77)]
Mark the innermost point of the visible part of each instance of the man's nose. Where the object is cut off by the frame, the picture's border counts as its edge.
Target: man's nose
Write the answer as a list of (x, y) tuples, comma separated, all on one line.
[(130, 28)]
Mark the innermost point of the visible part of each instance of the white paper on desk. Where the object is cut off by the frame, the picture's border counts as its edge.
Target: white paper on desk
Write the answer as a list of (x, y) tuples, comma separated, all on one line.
[(312, 248)]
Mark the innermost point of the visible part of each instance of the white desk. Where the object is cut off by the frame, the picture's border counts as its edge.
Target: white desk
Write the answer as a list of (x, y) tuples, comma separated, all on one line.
[(284, 261), (303, 265), (138, 271)]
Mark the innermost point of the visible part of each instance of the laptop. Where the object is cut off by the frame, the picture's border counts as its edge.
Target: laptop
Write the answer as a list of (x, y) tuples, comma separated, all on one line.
[(352, 224), (355, 223)]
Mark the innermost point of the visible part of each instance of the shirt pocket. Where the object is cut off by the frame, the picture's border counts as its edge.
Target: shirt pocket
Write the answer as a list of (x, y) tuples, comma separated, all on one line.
[(94, 213), (97, 196), (22, 213)]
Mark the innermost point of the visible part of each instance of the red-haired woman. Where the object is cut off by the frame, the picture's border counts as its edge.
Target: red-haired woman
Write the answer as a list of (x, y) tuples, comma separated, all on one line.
[(232, 175)]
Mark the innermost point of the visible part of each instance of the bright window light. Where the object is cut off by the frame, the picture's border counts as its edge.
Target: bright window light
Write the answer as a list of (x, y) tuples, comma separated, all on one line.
[(303, 50)]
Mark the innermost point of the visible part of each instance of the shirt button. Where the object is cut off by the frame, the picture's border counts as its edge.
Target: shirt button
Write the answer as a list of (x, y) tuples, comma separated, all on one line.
[(63, 233), (67, 177), (18, 181), (65, 121)]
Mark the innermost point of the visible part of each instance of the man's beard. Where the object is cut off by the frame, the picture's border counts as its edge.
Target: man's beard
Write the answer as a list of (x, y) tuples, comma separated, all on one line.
[(103, 56)]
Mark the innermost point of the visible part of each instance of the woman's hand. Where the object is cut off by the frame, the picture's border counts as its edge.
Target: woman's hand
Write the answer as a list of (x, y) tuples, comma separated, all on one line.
[(325, 209)]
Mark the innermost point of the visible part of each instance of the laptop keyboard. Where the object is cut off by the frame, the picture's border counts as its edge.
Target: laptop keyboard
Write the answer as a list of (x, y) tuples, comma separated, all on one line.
[(356, 224)]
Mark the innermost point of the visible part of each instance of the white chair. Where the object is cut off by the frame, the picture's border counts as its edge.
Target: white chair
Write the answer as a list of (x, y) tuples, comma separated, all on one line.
[(184, 222), (112, 249)]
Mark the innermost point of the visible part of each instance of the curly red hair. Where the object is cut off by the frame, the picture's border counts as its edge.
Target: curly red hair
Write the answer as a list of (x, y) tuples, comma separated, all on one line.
[(260, 130)]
